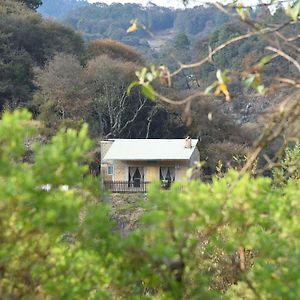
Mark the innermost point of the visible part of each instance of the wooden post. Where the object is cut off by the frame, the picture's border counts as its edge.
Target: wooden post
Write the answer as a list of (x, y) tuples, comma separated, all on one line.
[(242, 259)]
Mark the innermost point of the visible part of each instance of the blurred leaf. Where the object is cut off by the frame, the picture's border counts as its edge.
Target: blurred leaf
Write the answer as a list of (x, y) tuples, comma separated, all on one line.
[(260, 89), (249, 80), (132, 21), (149, 76), (211, 87), (243, 12), (293, 10), (254, 81), (131, 86), (222, 76), (143, 72), (148, 91), (133, 27), (265, 60), (219, 76), (222, 88)]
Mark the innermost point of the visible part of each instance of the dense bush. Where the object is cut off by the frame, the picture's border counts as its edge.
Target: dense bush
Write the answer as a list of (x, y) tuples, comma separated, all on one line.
[(237, 237), (114, 50)]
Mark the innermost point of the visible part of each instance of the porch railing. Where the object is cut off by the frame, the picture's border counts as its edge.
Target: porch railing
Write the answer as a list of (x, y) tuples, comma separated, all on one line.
[(126, 186)]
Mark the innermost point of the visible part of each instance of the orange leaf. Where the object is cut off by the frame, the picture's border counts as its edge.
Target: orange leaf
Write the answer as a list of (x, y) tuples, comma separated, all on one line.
[(132, 28), (222, 88)]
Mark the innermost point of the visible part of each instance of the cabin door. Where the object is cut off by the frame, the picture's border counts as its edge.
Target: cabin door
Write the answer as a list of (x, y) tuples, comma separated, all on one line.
[(135, 176)]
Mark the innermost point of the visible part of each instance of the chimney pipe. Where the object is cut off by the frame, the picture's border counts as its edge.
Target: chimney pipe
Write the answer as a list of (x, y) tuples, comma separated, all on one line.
[(188, 142)]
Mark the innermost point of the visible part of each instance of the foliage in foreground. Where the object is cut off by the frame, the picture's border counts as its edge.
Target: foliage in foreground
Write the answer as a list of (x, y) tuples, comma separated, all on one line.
[(61, 244)]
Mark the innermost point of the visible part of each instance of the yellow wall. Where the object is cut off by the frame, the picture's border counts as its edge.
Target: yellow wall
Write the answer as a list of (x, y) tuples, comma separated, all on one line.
[(152, 173), (151, 170), (104, 174), (120, 171)]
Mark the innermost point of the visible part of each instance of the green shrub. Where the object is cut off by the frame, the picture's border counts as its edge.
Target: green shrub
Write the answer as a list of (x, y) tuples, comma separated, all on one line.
[(61, 243)]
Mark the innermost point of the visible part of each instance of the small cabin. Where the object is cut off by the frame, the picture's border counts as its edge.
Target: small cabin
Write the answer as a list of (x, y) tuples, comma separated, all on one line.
[(129, 165)]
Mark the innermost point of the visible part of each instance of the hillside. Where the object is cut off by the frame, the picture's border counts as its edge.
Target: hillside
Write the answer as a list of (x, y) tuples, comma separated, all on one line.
[(100, 20)]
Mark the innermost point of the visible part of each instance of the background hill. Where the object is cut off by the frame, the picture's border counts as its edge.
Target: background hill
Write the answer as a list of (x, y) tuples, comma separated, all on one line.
[(100, 20)]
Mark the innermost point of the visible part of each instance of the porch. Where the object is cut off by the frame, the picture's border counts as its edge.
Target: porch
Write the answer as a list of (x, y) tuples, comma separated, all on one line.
[(131, 186), (126, 186)]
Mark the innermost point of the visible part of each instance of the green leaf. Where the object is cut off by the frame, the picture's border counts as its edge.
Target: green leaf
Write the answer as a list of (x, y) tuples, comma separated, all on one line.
[(149, 77), (132, 85), (132, 21), (243, 12), (143, 73), (148, 91), (222, 76), (219, 76), (211, 87), (260, 89), (293, 10), (249, 81), (265, 60), (153, 69)]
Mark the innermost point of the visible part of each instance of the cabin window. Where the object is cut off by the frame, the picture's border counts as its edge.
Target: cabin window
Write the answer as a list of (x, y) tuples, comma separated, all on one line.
[(110, 170), (167, 174)]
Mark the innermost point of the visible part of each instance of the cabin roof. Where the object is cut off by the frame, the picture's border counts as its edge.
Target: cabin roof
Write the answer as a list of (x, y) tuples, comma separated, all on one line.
[(149, 149)]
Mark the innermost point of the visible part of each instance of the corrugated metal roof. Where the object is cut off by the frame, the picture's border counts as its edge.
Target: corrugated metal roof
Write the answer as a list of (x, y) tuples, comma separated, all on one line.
[(149, 149)]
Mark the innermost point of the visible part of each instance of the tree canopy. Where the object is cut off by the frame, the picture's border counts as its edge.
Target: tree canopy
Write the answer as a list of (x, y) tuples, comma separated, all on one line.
[(28, 41), (33, 4)]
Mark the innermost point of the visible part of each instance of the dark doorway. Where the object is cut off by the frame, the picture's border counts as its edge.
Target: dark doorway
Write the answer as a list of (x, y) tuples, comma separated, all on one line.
[(135, 176)]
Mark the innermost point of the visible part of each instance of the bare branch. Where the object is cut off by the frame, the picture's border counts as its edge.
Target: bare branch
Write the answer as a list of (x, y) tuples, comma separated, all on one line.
[(286, 56), (287, 81), (149, 120), (134, 116), (181, 102), (287, 113), (208, 58), (288, 41)]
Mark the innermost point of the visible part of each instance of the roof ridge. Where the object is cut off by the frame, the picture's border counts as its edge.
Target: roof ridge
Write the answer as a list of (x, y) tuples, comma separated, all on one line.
[(150, 149)]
